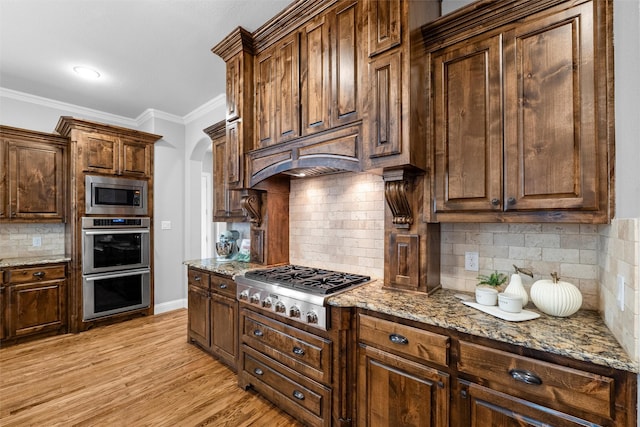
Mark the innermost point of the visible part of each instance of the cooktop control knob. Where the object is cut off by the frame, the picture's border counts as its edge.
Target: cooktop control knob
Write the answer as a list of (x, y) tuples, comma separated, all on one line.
[(255, 298), (294, 311), (266, 303), (244, 295), (280, 308), (312, 317)]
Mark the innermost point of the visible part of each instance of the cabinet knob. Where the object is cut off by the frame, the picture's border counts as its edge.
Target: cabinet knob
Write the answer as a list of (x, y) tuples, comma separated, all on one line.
[(298, 395), (298, 351), (223, 286), (495, 202), (197, 278), (398, 339), (39, 274), (525, 376), (257, 333), (511, 200), (258, 371)]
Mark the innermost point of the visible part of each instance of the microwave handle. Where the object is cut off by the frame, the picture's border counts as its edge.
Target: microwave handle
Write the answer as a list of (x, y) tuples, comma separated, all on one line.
[(124, 231), (113, 276)]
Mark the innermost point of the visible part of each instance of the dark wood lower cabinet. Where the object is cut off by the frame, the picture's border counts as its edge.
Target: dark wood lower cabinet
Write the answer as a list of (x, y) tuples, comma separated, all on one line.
[(490, 408), (393, 391), (411, 374), (33, 302), (213, 315)]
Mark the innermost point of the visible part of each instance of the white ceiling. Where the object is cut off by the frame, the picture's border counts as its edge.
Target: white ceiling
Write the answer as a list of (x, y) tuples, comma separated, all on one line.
[(151, 53)]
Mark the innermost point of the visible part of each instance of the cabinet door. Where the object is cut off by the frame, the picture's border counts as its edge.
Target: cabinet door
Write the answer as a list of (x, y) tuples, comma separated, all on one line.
[(393, 391), (468, 126), (489, 408), (219, 148), (135, 158), (551, 138), (265, 97), (385, 18), (99, 153), (385, 105), (224, 328), (199, 305), (287, 82), (314, 75), (36, 181), (37, 307), (345, 39), (234, 158), (234, 84)]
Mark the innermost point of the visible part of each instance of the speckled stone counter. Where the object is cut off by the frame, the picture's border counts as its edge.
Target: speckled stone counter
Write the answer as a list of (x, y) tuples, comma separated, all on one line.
[(225, 268), (582, 336), (35, 260)]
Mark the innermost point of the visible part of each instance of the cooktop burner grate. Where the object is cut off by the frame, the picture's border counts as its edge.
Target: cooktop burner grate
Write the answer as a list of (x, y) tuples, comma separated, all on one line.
[(308, 279)]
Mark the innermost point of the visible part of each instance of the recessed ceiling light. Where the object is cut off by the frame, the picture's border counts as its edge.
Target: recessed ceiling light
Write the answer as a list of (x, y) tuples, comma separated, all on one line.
[(86, 72)]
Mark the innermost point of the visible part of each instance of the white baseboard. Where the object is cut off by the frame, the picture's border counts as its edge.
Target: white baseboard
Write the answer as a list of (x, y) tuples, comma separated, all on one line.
[(169, 306)]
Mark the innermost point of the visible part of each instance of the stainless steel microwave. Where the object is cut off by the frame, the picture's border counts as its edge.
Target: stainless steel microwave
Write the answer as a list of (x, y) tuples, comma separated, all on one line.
[(107, 195)]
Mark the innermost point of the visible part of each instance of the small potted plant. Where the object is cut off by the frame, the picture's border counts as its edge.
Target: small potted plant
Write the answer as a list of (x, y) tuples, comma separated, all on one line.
[(487, 288)]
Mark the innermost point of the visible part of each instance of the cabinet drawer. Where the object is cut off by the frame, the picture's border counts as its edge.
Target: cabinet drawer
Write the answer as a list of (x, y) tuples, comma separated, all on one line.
[(306, 353), (547, 383), (223, 285), (299, 393), (36, 274), (199, 278), (404, 340)]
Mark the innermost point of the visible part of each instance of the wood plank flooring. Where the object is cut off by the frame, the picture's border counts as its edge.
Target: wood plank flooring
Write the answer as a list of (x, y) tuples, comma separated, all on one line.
[(136, 373)]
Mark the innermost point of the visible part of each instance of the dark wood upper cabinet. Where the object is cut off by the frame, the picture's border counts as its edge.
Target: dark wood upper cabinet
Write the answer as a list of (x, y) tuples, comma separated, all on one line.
[(114, 155), (226, 202), (33, 176), (520, 118), (396, 98)]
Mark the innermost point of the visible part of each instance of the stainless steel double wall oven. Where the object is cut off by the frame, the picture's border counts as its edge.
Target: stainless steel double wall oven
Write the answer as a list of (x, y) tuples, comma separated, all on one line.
[(116, 268)]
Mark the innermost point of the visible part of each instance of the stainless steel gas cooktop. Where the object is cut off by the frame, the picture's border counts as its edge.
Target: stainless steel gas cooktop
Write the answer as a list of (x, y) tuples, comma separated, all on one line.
[(295, 291)]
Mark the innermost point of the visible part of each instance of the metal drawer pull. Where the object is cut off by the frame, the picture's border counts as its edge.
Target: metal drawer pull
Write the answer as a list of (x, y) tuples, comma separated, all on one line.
[(258, 333), (39, 274), (525, 376), (298, 395), (258, 371), (398, 339), (299, 351), (223, 286), (197, 278)]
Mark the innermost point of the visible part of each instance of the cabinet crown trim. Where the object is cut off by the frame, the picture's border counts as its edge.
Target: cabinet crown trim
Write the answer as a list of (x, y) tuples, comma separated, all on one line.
[(66, 124)]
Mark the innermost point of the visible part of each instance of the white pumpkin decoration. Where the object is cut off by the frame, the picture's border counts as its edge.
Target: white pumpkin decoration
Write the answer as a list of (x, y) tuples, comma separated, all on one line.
[(555, 297)]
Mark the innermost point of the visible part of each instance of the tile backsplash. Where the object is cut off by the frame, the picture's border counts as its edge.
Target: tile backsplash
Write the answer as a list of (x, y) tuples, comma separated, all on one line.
[(619, 260), (16, 240), (337, 222)]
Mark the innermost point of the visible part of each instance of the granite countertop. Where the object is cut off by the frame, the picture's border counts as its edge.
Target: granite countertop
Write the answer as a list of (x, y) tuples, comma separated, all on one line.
[(582, 336), (225, 268), (33, 260)]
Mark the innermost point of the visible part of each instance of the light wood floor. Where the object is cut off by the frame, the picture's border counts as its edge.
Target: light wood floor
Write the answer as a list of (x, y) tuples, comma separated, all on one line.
[(136, 373)]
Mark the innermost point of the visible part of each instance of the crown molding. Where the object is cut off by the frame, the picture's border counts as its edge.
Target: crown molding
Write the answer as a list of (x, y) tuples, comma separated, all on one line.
[(70, 108), (148, 114)]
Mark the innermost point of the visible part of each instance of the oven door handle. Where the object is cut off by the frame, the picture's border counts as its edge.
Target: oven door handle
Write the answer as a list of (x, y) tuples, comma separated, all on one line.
[(117, 274), (119, 231)]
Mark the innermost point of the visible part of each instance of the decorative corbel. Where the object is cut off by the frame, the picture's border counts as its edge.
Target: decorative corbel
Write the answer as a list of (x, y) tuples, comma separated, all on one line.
[(252, 206), (396, 194)]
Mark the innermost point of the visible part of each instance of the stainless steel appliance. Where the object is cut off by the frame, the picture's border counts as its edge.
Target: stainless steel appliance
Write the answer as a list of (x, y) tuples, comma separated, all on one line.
[(112, 293), (106, 195), (116, 275), (296, 292), (113, 244)]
